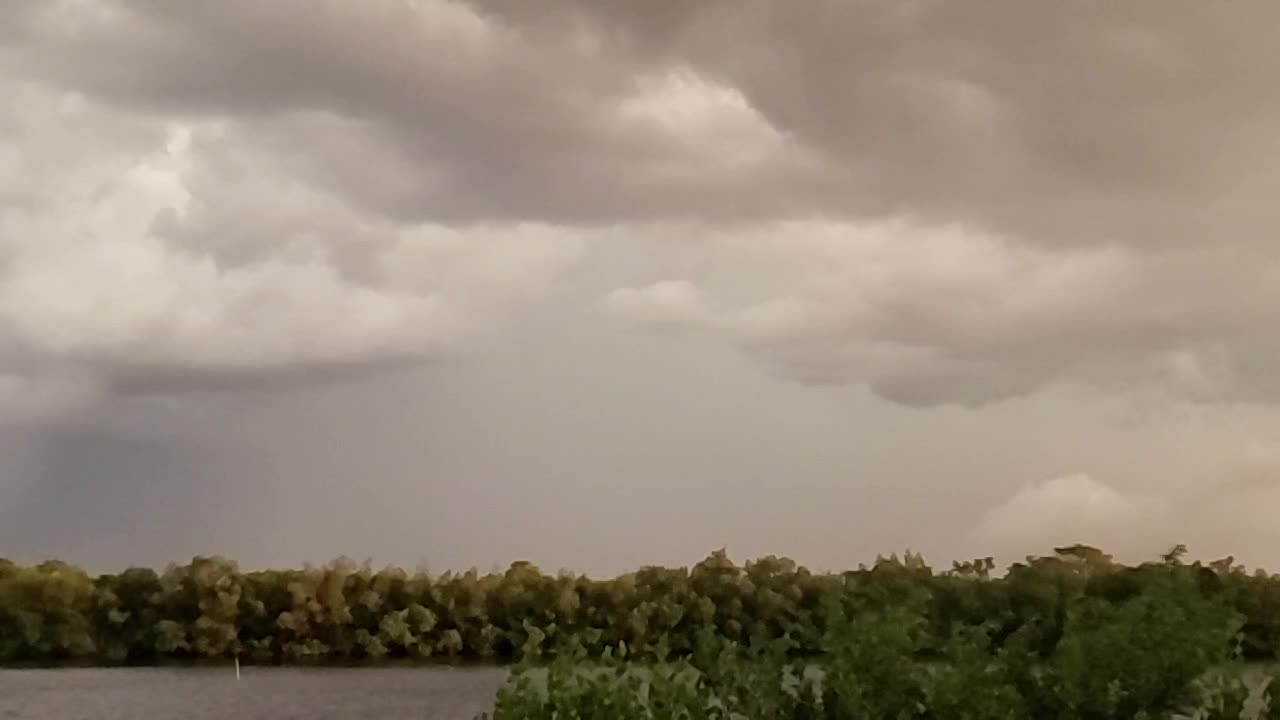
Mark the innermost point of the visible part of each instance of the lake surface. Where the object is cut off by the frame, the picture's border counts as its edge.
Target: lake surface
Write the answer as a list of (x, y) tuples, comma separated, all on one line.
[(260, 694)]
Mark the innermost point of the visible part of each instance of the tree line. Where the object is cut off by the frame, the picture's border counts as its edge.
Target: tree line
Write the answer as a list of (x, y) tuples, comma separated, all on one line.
[(341, 612)]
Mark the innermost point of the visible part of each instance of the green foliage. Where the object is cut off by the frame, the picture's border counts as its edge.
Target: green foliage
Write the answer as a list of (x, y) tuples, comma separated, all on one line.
[(974, 681), (1069, 635), (1225, 695), (1154, 654), (46, 613), (571, 691), (872, 671), (1270, 695), (1141, 656), (341, 612)]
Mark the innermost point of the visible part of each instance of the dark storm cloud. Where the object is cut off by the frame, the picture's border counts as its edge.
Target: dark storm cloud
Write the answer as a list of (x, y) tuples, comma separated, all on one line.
[(946, 203), (401, 215), (1076, 122), (484, 119)]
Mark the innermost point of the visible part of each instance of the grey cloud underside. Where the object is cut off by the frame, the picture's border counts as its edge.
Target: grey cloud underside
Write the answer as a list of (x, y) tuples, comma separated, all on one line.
[(502, 125), (1074, 122), (1070, 123), (331, 189)]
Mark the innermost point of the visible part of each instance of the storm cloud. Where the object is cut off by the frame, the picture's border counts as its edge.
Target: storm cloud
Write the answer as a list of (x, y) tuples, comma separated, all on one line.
[(944, 206)]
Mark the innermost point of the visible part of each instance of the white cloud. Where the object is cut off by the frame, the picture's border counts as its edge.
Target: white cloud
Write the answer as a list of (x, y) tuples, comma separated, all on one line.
[(1077, 509), (131, 246), (709, 127), (1212, 516)]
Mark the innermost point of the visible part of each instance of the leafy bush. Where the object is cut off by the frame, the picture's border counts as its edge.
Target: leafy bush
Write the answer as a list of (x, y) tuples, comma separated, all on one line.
[(1161, 652)]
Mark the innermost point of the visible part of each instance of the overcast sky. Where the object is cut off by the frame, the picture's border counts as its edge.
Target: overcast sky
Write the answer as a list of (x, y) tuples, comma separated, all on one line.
[(603, 283)]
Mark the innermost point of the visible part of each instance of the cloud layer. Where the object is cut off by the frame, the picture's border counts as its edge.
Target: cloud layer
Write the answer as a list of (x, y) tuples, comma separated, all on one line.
[(947, 205)]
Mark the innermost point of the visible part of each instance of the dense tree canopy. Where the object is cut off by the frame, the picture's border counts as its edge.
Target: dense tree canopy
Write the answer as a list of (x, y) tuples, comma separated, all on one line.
[(343, 612)]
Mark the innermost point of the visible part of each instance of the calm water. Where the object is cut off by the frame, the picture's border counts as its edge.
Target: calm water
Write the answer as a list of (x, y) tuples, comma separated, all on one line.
[(261, 694)]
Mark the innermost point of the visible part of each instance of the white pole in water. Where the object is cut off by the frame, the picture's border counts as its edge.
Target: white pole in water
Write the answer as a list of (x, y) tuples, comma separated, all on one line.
[(237, 667)]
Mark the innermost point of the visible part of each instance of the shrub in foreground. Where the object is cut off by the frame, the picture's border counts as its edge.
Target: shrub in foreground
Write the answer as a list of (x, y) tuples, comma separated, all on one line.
[(1162, 652)]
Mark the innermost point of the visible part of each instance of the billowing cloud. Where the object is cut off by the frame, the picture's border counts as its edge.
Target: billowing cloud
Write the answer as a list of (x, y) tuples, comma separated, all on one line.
[(197, 253), (1077, 509), (1230, 513), (136, 245), (933, 314), (949, 205)]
